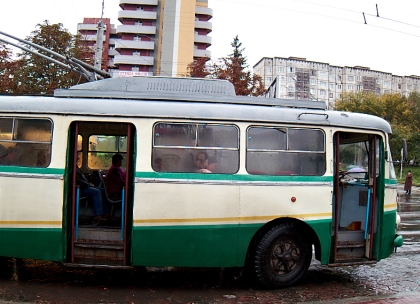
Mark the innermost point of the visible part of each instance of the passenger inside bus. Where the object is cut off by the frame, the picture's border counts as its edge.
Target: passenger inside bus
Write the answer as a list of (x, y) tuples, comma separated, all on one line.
[(3, 154), (115, 178), (201, 161), (93, 194)]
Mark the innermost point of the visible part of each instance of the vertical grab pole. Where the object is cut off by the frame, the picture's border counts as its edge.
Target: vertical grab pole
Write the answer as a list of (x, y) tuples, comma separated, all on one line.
[(367, 212), (122, 213), (77, 212)]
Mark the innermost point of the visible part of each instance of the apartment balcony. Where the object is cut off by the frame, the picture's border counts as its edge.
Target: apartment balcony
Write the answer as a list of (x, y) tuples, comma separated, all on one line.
[(137, 29), (202, 53), (134, 44), (203, 25), (137, 15), (133, 60), (112, 41), (88, 27), (88, 37), (112, 52), (202, 39), (139, 2), (200, 10)]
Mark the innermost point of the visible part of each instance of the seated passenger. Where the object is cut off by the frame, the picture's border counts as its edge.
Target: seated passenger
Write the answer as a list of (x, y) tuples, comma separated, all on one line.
[(115, 178), (211, 166), (42, 159), (201, 161), (91, 193), (3, 154)]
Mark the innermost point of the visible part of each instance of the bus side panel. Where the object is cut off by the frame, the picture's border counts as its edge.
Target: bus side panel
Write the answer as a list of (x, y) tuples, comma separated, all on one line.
[(185, 224), (31, 213), (187, 246), (322, 228), (389, 223), (36, 243)]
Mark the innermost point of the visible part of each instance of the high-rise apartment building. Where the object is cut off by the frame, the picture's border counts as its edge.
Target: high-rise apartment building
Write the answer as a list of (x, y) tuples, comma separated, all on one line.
[(155, 38), (297, 78)]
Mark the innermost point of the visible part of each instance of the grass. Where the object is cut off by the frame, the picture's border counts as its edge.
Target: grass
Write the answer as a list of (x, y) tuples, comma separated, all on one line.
[(414, 170)]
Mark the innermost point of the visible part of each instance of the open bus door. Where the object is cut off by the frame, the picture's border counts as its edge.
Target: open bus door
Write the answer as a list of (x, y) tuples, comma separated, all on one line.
[(91, 242), (356, 172)]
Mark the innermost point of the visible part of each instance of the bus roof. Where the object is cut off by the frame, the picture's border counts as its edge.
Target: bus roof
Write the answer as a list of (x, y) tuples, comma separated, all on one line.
[(126, 97)]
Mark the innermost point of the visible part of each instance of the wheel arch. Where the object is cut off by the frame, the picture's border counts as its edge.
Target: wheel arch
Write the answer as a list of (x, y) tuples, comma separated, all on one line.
[(301, 225)]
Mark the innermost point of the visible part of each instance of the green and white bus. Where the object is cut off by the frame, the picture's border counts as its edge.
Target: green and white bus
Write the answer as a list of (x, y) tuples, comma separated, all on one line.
[(284, 179)]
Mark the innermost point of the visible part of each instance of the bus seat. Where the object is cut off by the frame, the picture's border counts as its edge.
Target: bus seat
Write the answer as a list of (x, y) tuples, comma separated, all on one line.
[(108, 199)]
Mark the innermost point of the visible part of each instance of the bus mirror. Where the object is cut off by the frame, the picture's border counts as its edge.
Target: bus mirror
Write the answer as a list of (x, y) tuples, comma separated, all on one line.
[(386, 155)]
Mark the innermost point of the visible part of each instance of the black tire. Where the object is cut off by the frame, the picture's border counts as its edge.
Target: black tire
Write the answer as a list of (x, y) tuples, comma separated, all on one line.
[(282, 256)]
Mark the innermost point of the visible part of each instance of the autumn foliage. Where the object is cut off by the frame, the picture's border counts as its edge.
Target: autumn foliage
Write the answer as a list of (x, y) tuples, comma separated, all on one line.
[(32, 74), (232, 68)]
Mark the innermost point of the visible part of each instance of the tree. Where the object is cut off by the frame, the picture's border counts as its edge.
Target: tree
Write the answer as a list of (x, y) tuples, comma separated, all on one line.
[(40, 76), (396, 109), (7, 66), (233, 68), (198, 68)]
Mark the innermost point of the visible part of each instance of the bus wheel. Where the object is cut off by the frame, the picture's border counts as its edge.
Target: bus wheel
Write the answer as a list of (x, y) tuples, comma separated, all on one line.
[(282, 256)]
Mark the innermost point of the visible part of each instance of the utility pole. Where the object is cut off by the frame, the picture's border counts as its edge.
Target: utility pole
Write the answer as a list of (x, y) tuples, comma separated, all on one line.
[(99, 41)]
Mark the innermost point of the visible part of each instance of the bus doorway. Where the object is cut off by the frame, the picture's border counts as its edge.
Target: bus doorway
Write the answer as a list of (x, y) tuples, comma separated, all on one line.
[(99, 230), (356, 196)]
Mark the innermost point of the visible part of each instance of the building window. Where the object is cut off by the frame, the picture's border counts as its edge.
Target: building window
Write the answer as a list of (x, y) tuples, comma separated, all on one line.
[(378, 81), (409, 86), (350, 78), (136, 53), (386, 83), (399, 86), (322, 92), (291, 69), (331, 95), (312, 81), (280, 69), (189, 147), (350, 87), (138, 23), (135, 68), (338, 95), (339, 86), (359, 78), (282, 79), (359, 87), (268, 81), (323, 84), (331, 86), (313, 91), (136, 38), (322, 74)]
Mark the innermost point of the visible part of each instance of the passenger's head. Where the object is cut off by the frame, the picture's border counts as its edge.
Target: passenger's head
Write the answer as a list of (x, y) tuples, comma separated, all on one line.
[(42, 158), (117, 159), (201, 160)]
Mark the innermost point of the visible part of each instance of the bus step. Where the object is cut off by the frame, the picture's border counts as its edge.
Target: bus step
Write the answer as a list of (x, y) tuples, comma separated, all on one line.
[(100, 245), (97, 266), (349, 244), (351, 262)]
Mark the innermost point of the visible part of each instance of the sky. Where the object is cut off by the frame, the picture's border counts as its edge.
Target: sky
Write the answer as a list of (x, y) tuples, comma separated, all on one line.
[(329, 31)]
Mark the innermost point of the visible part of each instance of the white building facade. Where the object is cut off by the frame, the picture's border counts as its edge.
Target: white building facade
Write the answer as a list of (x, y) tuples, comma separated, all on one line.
[(297, 78)]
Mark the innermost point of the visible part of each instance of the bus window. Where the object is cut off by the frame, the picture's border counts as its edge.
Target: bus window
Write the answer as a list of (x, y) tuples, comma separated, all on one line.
[(177, 147), (285, 151), (26, 142), (102, 147)]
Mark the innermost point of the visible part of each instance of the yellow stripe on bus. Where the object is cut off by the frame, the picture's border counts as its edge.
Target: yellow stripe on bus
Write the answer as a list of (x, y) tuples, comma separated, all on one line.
[(232, 219), (56, 223), (390, 206)]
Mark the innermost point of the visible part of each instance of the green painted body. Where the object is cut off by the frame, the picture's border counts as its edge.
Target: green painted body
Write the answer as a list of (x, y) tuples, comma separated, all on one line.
[(41, 244)]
